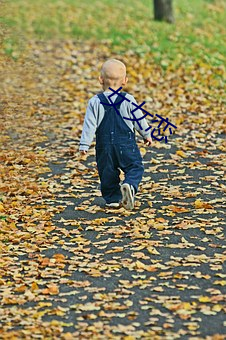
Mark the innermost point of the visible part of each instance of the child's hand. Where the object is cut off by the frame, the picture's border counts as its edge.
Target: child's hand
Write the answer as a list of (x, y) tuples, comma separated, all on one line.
[(148, 141), (83, 152)]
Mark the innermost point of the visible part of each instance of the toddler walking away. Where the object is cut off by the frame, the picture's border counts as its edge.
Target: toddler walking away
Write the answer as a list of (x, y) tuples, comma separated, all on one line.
[(116, 146)]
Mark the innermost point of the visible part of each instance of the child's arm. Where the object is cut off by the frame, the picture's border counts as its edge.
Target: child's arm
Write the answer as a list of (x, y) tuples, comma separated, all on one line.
[(89, 128), (143, 125)]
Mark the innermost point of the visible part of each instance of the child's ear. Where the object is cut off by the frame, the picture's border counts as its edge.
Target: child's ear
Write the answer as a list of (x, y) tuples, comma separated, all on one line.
[(125, 81), (101, 80)]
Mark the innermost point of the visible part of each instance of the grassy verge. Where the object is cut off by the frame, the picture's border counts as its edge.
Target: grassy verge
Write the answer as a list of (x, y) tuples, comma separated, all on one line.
[(197, 33)]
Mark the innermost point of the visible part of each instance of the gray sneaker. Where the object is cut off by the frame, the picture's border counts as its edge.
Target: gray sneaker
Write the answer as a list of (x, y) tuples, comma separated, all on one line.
[(128, 194), (113, 205)]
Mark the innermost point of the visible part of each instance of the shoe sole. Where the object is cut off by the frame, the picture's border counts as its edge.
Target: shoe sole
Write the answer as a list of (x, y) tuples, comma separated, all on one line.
[(127, 197), (114, 206)]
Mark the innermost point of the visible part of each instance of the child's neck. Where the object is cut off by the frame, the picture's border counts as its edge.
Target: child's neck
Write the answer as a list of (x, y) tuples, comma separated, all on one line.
[(113, 88)]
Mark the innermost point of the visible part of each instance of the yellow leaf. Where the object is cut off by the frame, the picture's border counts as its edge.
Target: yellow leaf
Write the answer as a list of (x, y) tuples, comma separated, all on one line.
[(34, 286), (140, 265), (1, 208), (187, 305), (155, 161), (204, 299), (100, 221), (193, 326), (143, 151), (67, 336), (160, 226), (181, 153), (38, 315), (115, 250), (200, 204), (78, 239), (12, 225), (44, 304), (153, 251), (217, 308), (158, 289), (66, 324), (222, 282)]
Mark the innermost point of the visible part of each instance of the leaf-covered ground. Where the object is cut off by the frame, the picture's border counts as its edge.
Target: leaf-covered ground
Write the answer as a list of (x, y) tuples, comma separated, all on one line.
[(69, 268)]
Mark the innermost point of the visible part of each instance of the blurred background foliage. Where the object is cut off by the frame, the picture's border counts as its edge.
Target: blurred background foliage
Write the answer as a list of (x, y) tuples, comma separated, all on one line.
[(198, 31)]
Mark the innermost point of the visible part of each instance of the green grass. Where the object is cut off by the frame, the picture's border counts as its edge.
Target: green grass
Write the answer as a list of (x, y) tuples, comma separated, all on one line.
[(198, 31)]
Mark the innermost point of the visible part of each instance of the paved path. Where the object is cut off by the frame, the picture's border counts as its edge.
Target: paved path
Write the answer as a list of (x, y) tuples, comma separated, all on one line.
[(79, 271)]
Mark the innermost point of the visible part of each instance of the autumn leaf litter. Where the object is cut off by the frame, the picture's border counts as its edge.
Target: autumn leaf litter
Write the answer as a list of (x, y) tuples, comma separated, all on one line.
[(71, 268)]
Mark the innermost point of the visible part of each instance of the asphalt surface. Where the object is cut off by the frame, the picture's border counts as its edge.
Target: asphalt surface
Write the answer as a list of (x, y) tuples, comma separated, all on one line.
[(178, 299)]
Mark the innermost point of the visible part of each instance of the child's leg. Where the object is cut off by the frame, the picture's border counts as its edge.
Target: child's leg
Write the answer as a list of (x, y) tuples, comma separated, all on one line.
[(107, 166), (131, 164)]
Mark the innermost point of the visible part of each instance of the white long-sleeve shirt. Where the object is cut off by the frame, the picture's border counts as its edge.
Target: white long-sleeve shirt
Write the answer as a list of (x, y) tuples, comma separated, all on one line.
[(95, 113)]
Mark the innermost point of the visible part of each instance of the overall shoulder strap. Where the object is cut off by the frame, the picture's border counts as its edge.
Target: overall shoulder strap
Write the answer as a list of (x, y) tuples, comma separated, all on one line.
[(102, 98), (119, 99)]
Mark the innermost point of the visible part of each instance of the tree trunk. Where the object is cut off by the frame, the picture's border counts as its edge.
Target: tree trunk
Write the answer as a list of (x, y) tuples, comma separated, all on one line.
[(163, 10)]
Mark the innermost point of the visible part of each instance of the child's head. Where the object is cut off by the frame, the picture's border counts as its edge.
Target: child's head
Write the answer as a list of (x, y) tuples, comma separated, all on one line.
[(113, 74)]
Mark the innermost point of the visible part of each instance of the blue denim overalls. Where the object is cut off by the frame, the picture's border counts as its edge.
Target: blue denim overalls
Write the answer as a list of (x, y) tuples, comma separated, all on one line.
[(116, 149)]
